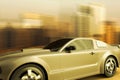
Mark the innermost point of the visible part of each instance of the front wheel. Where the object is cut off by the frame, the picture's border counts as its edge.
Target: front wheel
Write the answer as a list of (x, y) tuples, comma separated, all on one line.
[(110, 67), (29, 72)]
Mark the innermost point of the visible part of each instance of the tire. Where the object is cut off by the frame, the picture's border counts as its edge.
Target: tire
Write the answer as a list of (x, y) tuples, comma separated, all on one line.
[(29, 72), (110, 67)]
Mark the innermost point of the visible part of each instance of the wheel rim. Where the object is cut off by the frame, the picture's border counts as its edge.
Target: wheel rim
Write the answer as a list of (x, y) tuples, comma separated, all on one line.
[(31, 74), (110, 65)]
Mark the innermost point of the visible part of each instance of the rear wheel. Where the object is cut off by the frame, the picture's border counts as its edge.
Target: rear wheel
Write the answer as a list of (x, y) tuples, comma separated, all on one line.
[(110, 67), (29, 72)]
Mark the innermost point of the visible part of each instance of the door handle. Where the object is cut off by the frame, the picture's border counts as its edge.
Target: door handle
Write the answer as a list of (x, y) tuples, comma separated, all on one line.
[(92, 53)]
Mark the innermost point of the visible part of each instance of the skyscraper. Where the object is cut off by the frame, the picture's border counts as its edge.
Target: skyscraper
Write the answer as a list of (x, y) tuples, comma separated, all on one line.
[(84, 21), (89, 19), (110, 29)]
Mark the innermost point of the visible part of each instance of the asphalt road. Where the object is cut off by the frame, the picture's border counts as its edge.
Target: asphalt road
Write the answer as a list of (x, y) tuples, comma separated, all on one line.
[(101, 77)]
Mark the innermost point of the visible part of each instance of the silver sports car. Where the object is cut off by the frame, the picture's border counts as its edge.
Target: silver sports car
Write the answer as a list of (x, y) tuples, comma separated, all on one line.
[(64, 59)]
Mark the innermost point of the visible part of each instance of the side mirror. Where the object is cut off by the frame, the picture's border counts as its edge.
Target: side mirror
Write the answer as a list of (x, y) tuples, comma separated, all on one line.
[(69, 48), (118, 46)]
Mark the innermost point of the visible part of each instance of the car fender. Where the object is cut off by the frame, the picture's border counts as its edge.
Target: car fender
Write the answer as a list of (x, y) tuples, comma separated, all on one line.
[(103, 59), (31, 60)]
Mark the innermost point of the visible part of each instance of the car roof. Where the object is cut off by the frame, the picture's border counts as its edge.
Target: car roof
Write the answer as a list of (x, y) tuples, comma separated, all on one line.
[(80, 38)]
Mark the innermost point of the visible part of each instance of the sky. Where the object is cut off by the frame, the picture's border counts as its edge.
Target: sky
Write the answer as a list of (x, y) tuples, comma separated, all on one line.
[(12, 9)]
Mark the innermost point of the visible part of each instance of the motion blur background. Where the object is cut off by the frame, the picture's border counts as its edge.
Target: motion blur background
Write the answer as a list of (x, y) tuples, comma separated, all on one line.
[(31, 23)]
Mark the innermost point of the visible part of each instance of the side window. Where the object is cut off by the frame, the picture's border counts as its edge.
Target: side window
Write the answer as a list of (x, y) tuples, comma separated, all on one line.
[(78, 46), (101, 44), (88, 44)]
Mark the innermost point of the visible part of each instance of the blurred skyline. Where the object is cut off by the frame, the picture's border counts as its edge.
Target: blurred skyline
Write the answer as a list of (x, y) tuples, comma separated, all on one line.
[(12, 9), (27, 23)]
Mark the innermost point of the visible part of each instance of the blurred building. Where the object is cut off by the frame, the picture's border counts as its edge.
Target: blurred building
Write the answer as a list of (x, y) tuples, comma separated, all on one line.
[(53, 27), (2, 24), (110, 32), (13, 23), (99, 16), (117, 34), (89, 20), (31, 20), (84, 21), (117, 39)]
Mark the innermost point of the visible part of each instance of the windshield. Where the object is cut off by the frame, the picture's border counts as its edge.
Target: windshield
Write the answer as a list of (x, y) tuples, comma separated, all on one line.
[(57, 45)]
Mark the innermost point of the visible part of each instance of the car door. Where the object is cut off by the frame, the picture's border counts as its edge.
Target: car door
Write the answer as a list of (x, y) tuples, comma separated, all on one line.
[(79, 62)]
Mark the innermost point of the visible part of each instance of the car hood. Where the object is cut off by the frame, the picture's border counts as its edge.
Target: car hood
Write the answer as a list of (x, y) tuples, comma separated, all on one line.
[(24, 52)]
